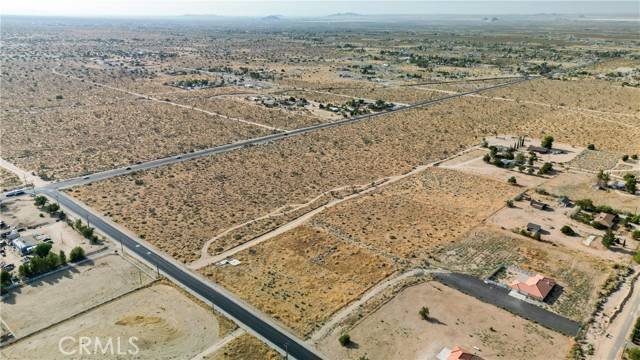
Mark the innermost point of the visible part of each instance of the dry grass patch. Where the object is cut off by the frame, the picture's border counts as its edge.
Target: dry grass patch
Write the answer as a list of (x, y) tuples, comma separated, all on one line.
[(588, 94), (396, 331), (71, 142), (8, 179), (423, 212), (593, 160), (245, 347), (302, 276)]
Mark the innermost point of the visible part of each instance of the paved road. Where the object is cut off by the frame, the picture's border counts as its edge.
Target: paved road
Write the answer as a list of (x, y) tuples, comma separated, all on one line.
[(255, 141), (216, 295), (498, 296)]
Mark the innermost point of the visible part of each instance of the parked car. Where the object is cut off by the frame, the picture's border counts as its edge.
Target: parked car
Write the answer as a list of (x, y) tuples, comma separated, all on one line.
[(8, 267)]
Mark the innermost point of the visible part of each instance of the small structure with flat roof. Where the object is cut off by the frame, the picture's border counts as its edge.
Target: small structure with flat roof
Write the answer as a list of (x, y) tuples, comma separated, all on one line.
[(534, 228), (538, 205)]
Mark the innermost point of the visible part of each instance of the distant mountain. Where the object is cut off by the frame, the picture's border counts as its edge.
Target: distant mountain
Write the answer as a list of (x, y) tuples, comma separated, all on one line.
[(344, 14), (273, 17)]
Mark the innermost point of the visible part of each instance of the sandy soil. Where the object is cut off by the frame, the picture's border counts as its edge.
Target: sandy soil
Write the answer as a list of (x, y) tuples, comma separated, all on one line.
[(245, 347), (302, 276), (580, 275), (412, 218), (575, 185), (8, 180), (588, 94), (69, 292), (551, 221), (165, 322), (396, 331), (77, 141)]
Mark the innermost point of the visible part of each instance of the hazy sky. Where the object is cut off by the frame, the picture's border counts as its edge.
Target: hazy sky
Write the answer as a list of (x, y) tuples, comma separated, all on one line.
[(307, 8)]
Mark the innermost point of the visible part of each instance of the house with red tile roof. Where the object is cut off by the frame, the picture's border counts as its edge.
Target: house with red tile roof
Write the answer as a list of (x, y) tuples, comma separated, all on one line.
[(536, 286), (457, 353)]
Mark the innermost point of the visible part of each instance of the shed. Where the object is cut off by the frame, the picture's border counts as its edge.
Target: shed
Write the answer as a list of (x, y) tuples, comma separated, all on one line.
[(605, 219), (534, 228), (538, 149), (538, 205)]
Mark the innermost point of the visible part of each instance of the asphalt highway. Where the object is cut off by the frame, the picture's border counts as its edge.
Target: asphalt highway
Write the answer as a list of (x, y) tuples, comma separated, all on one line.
[(81, 180), (295, 347)]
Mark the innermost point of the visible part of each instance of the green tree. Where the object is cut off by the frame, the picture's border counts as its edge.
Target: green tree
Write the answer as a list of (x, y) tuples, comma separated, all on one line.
[(5, 278), (635, 235), (608, 239), (591, 147), (512, 180), (424, 313), (547, 142), (625, 157), (567, 230), (40, 200), (42, 249), (546, 168), (344, 339), (62, 257), (76, 254), (630, 183)]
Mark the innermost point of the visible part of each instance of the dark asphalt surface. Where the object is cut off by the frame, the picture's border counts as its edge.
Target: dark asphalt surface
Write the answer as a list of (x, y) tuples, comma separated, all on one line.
[(499, 297), (81, 180), (223, 301)]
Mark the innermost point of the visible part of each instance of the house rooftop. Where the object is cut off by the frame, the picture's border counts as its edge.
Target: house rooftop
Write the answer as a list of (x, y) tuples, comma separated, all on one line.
[(605, 219), (457, 353), (536, 286)]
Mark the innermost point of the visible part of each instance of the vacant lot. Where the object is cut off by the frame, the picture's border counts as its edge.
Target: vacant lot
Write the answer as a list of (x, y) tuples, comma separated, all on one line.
[(70, 142), (235, 187), (166, 323), (396, 330), (245, 347), (302, 276), (421, 213), (577, 186), (8, 179), (69, 292), (587, 94), (580, 275)]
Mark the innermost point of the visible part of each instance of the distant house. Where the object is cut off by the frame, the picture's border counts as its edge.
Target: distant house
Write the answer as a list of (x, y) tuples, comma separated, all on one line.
[(534, 228), (24, 245), (616, 184), (564, 201), (457, 353), (605, 219), (537, 286), (538, 205), (509, 162), (538, 149)]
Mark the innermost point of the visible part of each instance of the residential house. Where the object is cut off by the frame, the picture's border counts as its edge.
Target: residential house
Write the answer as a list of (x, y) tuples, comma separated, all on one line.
[(605, 219), (534, 229), (538, 149), (538, 205), (537, 287)]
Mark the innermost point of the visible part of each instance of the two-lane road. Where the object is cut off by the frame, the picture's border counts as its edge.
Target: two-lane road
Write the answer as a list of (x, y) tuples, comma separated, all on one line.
[(81, 180), (222, 299)]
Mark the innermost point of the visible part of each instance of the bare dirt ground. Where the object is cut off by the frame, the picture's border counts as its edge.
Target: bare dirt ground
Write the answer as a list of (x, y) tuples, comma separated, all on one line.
[(245, 347), (8, 180), (587, 94), (552, 221), (580, 275), (577, 185), (396, 330), (69, 292), (301, 277), (166, 323), (71, 142), (412, 218)]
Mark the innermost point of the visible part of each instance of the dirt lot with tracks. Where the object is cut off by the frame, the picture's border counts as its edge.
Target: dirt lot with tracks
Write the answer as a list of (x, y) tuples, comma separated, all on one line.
[(164, 322), (302, 276), (396, 330)]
